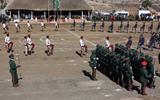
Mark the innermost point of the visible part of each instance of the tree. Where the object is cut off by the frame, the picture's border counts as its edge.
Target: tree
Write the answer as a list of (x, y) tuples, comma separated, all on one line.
[(3, 4), (146, 3)]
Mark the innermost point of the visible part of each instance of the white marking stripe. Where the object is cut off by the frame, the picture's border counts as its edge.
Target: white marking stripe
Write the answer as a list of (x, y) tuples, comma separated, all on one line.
[(84, 39)]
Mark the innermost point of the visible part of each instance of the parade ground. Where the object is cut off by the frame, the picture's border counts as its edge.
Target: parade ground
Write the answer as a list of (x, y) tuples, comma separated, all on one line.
[(65, 75)]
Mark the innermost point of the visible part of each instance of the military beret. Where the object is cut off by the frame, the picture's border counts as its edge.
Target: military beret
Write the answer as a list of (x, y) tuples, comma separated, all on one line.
[(144, 63), (11, 56)]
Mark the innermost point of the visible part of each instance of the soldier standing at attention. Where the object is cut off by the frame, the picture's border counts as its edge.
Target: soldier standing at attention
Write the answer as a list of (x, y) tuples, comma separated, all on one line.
[(94, 26), (127, 27), (13, 70), (150, 28), (128, 74), (158, 28), (93, 64), (143, 27), (121, 27), (159, 58), (141, 42), (74, 25), (143, 77), (129, 42), (135, 27), (83, 25), (102, 26)]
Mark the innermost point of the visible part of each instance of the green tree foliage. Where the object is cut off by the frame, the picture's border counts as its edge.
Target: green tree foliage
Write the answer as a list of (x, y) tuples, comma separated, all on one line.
[(3, 4), (146, 3)]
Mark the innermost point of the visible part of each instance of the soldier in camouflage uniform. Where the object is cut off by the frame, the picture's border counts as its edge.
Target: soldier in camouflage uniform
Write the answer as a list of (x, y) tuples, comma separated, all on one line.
[(121, 27), (93, 64), (135, 27), (128, 74), (111, 27), (143, 77), (143, 27), (73, 25), (141, 42), (94, 26), (159, 58), (127, 27), (13, 70), (150, 28)]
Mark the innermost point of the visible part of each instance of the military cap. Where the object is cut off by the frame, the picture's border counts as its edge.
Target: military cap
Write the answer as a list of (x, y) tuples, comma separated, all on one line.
[(11, 56)]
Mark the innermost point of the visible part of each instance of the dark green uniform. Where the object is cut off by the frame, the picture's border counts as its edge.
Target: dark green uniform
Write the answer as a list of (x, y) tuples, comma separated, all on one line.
[(93, 64), (128, 73), (143, 78), (159, 58), (13, 71)]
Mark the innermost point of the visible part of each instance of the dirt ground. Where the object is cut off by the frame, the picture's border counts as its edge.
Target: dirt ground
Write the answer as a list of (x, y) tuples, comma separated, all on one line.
[(61, 76)]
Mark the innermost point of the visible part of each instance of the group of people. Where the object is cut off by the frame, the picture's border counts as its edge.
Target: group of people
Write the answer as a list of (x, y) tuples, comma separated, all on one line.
[(122, 65), (153, 42), (121, 27), (29, 45)]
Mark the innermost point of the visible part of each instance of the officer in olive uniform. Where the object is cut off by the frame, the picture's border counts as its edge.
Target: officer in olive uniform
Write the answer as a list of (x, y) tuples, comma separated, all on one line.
[(94, 26), (127, 27), (143, 27), (159, 58), (74, 25), (135, 27), (111, 27), (121, 27), (143, 77), (93, 64), (141, 42), (128, 74), (13, 70)]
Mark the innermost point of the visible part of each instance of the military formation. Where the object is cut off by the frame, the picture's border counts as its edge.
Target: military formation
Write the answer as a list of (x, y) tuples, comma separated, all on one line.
[(123, 65)]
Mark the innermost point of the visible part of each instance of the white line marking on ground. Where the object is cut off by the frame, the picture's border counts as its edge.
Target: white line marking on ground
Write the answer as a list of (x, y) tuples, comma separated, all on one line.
[(71, 61), (73, 33), (98, 88), (85, 61), (106, 95), (117, 90)]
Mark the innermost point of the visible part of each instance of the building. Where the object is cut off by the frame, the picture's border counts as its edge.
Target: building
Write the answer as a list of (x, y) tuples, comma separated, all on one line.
[(44, 8)]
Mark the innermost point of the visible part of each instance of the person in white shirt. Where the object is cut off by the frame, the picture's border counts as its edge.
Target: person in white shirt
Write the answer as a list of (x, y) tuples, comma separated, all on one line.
[(83, 46), (108, 44), (17, 27), (9, 43), (29, 26), (25, 45), (5, 27), (30, 44), (42, 26), (50, 47), (56, 25)]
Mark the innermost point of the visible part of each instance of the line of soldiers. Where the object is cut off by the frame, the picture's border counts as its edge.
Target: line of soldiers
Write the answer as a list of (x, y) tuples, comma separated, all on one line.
[(121, 27), (123, 65), (153, 42)]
